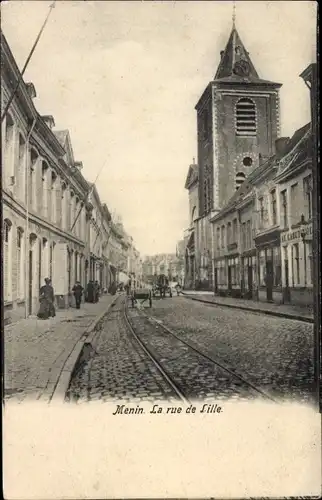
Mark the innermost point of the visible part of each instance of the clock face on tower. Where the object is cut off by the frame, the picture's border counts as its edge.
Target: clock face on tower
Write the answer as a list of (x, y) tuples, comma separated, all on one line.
[(241, 68)]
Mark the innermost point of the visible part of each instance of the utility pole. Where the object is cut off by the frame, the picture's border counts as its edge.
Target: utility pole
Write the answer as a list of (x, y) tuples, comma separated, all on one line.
[(26, 63)]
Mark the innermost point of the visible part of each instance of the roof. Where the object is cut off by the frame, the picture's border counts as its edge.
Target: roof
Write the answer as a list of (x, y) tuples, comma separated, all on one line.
[(61, 136), (236, 65), (192, 176)]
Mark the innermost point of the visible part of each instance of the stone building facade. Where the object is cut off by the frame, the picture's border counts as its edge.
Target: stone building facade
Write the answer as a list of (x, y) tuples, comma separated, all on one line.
[(54, 224)]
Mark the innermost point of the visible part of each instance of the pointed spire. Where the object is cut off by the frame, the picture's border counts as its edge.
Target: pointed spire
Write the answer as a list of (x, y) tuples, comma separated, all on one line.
[(234, 14), (235, 61)]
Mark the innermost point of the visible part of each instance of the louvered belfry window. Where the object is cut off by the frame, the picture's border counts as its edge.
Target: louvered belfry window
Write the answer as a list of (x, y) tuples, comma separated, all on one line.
[(245, 117)]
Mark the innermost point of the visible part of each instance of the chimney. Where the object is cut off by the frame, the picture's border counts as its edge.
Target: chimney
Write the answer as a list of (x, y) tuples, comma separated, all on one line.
[(31, 90), (280, 145), (221, 54), (49, 120), (78, 165)]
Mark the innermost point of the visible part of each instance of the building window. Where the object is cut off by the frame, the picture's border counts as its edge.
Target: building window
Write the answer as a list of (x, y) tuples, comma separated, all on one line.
[(9, 140), (284, 208), (245, 117), (261, 212), (218, 238), (229, 234), (222, 236), (7, 273), (307, 188), (296, 264), (248, 234), (295, 206), (234, 237), (310, 275), (44, 201), (243, 235), (273, 206), (239, 179)]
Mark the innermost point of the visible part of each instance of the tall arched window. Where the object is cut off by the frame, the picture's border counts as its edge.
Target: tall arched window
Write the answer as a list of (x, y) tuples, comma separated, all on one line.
[(245, 117), (45, 189), (20, 172), (7, 267), (32, 178), (239, 179), (9, 148)]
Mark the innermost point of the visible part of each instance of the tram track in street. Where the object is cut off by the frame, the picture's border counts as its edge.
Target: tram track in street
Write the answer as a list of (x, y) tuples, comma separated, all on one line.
[(193, 373)]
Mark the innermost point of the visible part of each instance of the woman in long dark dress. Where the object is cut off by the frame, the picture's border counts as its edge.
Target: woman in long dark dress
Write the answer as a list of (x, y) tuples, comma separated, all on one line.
[(90, 291), (46, 299)]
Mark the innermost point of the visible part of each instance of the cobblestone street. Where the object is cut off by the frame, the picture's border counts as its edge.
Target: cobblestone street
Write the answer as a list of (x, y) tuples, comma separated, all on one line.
[(275, 355), (119, 369)]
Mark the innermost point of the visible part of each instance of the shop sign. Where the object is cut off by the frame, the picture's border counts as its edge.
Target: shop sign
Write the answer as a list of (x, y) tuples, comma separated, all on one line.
[(296, 235)]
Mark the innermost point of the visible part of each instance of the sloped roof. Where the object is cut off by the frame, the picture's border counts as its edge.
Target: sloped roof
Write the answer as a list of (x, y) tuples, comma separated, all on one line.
[(236, 65), (192, 176)]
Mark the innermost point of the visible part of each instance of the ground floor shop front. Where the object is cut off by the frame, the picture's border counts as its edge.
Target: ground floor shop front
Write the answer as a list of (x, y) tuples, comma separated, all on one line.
[(297, 265)]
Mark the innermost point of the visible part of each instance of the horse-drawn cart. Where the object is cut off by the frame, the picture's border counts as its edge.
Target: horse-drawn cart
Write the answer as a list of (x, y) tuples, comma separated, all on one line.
[(141, 295)]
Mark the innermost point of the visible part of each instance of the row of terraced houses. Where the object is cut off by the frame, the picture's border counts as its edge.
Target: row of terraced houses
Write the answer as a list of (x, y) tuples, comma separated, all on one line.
[(54, 222), (252, 194)]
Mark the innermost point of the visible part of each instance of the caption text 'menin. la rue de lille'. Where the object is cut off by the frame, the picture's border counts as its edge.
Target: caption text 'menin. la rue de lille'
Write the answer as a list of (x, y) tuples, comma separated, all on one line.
[(169, 410)]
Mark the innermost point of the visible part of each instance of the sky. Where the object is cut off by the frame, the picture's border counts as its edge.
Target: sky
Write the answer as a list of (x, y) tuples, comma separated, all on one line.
[(124, 79)]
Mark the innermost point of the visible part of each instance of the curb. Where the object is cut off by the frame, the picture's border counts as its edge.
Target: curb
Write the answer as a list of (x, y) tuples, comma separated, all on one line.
[(252, 309), (64, 378)]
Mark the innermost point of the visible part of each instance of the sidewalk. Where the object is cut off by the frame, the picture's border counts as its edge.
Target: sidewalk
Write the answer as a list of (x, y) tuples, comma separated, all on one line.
[(282, 310), (36, 350)]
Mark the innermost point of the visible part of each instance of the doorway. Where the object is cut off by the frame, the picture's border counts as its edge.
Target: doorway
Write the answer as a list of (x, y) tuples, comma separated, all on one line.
[(269, 280), (287, 295), (30, 283), (216, 280), (250, 280), (229, 281)]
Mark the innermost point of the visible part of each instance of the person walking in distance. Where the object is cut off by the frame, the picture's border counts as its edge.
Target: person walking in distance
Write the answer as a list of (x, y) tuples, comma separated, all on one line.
[(46, 299), (96, 291), (90, 291), (78, 292)]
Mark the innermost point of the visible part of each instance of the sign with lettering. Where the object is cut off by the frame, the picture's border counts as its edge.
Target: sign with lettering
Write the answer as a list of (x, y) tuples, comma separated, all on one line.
[(296, 235)]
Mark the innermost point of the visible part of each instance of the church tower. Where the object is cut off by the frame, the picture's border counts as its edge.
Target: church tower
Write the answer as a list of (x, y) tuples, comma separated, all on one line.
[(237, 121)]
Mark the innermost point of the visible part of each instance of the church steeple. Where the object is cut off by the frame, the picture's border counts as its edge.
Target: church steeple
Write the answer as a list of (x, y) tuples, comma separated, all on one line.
[(235, 63)]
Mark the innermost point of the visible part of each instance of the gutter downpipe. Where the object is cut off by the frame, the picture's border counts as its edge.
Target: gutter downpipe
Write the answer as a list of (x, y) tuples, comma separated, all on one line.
[(27, 240)]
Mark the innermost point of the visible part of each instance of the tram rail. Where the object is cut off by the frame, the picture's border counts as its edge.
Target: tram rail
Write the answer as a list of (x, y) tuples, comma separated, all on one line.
[(241, 381)]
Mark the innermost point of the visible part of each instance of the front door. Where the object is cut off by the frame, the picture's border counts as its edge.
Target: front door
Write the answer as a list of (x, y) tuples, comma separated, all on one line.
[(229, 280), (216, 280), (287, 285), (30, 283), (250, 280), (269, 280)]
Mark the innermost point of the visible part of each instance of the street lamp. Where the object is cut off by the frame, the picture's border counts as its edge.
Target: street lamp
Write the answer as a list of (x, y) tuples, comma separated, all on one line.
[(303, 228)]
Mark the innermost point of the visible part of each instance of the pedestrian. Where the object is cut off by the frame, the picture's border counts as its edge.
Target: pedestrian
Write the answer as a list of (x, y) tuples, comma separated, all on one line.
[(78, 292), (96, 291), (46, 299), (90, 291)]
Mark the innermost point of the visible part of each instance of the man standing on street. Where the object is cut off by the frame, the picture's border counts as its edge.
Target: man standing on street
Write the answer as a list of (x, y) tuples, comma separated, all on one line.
[(78, 292)]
